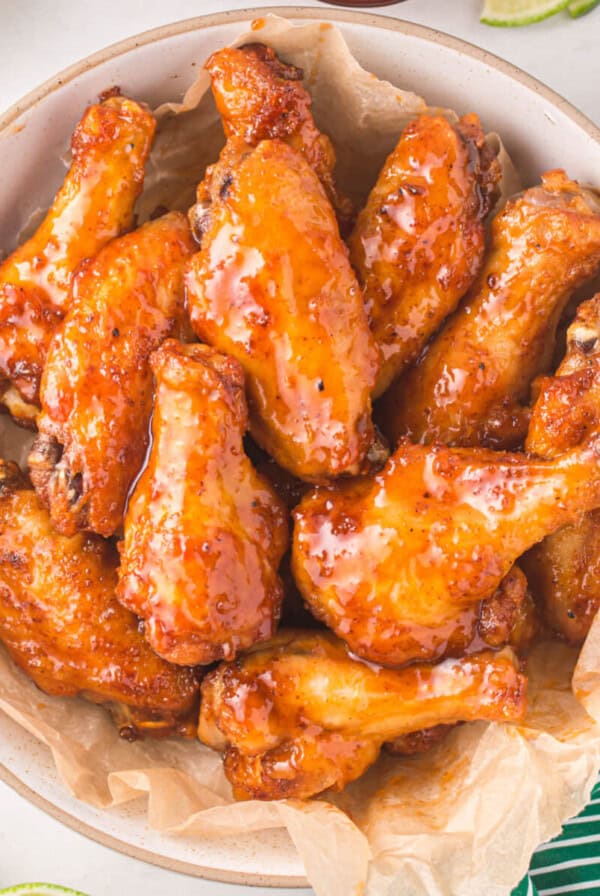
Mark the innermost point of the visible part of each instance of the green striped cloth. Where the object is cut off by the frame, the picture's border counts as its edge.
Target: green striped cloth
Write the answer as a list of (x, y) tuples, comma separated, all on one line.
[(571, 863)]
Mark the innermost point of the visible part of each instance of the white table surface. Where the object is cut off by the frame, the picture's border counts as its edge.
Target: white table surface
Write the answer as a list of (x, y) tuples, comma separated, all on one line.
[(39, 37)]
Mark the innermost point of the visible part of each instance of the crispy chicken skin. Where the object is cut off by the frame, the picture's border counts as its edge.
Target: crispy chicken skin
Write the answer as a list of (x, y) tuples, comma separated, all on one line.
[(272, 286), (261, 98), (564, 569), (96, 390), (204, 533), (109, 148), (566, 413), (300, 714), (418, 244), (61, 623), (507, 617), (396, 564), (564, 575), (472, 384)]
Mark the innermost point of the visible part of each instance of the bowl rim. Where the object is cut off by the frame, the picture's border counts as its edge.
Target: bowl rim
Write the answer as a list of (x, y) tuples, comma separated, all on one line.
[(138, 852), (376, 20), (200, 23)]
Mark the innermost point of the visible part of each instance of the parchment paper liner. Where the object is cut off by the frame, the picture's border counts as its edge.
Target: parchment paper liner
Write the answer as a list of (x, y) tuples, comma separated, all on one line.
[(460, 821)]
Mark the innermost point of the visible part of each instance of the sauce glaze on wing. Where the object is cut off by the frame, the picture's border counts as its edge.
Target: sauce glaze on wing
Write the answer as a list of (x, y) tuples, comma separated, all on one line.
[(109, 149), (396, 564), (62, 624), (204, 533), (97, 388), (301, 714), (472, 384), (418, 244), (272, 286), (259, 97)]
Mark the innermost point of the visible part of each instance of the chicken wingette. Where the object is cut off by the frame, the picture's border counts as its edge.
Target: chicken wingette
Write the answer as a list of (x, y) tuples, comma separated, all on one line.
[(204, 533), (395, 564), (418, 244), (272, 286), (62, 624), (472, 384), (300, 714), (109, 149), (96, 391)]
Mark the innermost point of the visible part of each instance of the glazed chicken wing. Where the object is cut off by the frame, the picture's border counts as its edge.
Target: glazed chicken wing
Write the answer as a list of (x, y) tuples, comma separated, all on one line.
[(272, 286), (567, 410), (261, 98), (418, 243), (472, 384), (95, 203), (396, 565), (564, 575), (61, 623), (564, 569), (204, 533), (96, 391), (301, 714), (509, 616)]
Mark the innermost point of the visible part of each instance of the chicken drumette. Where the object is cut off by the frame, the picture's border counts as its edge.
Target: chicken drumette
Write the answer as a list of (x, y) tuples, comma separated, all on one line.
[(301, 714), (62, 624), (418, 243), (96, 390), (398, 564), (95, 203), (261, 98), (204, 533), (564, 569), (472, 384)]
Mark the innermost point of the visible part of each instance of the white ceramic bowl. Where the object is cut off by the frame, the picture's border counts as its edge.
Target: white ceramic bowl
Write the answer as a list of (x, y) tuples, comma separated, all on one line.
[(541, 131)]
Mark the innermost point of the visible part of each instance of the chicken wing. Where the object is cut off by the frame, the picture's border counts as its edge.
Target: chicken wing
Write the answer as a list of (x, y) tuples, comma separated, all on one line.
[(95, 203), (272, 286), (301, 714), (564, 569), (261, 98), (61, 623), (472, 384), (204, 533), (509, 616), (564, 575), (418, 244), (566, 413), (96, 390), (396, 565)]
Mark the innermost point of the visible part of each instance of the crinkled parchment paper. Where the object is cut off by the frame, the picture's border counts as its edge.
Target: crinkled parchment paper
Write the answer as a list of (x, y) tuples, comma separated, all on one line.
[(363, 116), (460, 821)]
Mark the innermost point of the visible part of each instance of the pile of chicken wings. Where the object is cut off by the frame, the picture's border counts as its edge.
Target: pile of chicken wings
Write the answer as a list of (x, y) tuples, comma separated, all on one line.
[(306, 482)]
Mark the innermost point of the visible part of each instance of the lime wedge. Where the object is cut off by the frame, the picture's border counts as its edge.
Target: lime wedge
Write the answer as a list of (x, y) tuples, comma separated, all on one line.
[(40, 890), (510, 13), (578, 8)]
